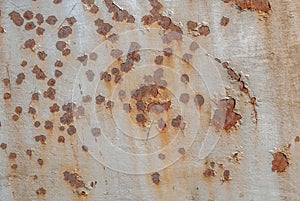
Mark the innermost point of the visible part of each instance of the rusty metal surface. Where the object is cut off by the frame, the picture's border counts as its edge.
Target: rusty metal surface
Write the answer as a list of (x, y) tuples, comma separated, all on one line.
[(149, 100)]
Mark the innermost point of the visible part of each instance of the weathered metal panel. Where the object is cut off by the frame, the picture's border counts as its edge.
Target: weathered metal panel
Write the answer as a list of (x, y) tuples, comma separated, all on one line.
[(149, 100)]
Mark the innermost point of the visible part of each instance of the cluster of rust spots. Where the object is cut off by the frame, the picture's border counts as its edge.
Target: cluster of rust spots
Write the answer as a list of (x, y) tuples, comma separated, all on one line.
[(197, 29), (165, 22), (280, 162), (73, 179), (50, 93), (119, 15), (132, 56), (243, 88), (155, 178), (259, 5), (225, 117), (103, 28)]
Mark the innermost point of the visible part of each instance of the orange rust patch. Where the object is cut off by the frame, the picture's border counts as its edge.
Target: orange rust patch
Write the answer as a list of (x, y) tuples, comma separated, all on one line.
[(280, 162), (73, 179), (224, 116)]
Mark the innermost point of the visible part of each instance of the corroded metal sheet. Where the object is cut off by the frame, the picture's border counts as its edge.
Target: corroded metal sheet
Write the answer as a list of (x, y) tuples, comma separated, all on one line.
[(149, 100)]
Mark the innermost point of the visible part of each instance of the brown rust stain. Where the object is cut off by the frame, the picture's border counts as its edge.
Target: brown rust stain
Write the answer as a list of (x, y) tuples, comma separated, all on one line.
[(280, 162), (259, 5)]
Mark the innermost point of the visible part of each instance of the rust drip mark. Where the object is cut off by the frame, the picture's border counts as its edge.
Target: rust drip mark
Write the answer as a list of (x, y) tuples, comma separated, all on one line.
[(103, 28), (225, 117), (73, 179), (280, 162), (155, 178), (119, 15), (237, 77), (174, 32)]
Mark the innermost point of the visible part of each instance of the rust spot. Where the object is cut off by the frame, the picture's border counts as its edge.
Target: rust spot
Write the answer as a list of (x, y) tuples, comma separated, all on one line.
[(184, 78), (224, 21), (61, 139), (90, 75), (71, 20), (24, 63), (224, 116), (54, 108), (280, 162), (168, 52), (40, 161), (204, 30), (40, 31), (6, 82), (28, 15), (155, 178), (3, 146), (83, 59), (12, 156), (37, 124), (297, 139), (6, 96), (192, 26), (15, 117), (18, 110), (199, 100), (48, 125), (14, 166), (194, 46), (187, 57), (2, 30), (161, 156), (42, 55), (41, 191), (209, 172), (94, 9), (64, 32), (184, 98), (29, 152), (57, 1), (40, 18), (57, 73), (35, 96), (61, 45), (116, 53), (31, 111), (73, 179), (84, 148), (16, 18), (29, 26), (51, 20), (181, 151), (30, 43), (159, 60), (226, 175), (88, 2), (96, 132), (113, 38), (71, 130), (40, 138), (50, 93), (103, 28), (127, 107)]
